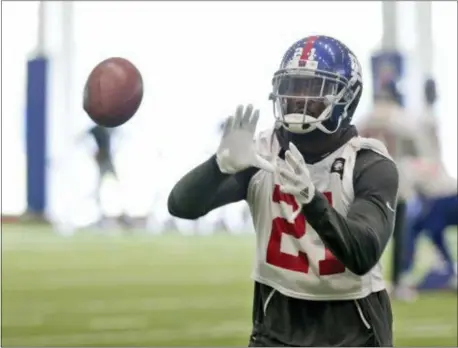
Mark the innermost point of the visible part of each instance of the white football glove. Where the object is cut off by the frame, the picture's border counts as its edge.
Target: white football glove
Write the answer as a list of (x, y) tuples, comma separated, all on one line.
[(295, 178), (236, 151)]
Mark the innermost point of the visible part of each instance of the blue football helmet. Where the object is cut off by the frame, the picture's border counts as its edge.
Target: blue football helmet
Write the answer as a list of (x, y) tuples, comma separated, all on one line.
[(318, 86)]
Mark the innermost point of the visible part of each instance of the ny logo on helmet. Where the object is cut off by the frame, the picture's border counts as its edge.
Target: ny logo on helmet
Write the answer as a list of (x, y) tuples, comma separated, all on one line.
[(298, 60), (311, 55)]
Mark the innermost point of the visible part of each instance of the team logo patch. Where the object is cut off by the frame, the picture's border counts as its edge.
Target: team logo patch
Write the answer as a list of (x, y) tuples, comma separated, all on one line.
[(338, 166)]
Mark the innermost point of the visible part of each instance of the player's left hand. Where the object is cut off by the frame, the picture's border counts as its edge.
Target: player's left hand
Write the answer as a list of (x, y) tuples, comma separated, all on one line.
[(295, 178)]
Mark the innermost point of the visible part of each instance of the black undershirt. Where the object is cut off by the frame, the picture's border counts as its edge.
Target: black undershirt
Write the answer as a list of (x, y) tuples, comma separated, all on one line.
[(357, 240)]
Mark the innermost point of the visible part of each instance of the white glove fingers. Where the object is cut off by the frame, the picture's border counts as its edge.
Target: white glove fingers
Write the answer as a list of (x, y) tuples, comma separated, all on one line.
[(292, 162), (228, 125), (254, 121), (262, 163), (238, 116), (296, 153), (247, 116), (287, 175)]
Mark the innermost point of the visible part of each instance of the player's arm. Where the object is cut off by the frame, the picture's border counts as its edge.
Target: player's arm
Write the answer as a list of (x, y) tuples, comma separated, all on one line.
[(206, 188), (359, 239)]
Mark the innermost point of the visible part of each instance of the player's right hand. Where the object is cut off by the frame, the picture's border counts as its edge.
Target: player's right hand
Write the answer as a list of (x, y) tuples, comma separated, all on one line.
[(237, 151)]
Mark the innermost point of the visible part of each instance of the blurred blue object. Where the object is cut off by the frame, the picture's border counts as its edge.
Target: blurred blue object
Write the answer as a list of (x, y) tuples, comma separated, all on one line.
[(387, 73), (430, 91), (35, 125)]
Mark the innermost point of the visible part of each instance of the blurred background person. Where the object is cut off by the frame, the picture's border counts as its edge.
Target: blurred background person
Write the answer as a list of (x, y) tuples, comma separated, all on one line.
[(108, 193), (391, 124), (106, 169), (434, 208)]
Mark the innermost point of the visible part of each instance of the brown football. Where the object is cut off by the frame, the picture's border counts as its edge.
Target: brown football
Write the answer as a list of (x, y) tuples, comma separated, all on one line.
[(113, 92)]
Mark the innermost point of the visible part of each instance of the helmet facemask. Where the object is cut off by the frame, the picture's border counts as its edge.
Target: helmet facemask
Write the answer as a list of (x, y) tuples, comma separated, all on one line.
[(304, 98)]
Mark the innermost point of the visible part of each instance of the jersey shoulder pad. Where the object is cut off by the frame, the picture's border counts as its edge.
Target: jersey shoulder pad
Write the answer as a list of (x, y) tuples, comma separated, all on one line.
[(374, 145)]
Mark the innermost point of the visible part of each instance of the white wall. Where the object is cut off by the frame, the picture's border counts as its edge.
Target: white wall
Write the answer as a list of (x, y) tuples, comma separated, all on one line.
[(444, 15), (199, 60), (19, 34)]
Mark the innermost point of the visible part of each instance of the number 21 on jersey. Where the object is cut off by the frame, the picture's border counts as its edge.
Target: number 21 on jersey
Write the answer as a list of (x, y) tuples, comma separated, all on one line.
[(299, 263)]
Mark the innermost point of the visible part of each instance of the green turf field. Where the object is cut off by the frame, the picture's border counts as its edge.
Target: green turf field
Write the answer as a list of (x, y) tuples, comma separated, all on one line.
[(137, 290)]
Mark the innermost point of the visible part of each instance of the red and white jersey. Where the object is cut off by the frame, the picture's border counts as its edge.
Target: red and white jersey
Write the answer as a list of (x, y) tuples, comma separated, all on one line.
[(290, 256)]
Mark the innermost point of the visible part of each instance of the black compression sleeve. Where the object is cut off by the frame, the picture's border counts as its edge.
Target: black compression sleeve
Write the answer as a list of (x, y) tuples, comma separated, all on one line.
[(206, 188), (359, 239)]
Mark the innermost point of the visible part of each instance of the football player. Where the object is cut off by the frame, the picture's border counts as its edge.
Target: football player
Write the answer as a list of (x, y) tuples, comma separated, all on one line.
[(321, 200)]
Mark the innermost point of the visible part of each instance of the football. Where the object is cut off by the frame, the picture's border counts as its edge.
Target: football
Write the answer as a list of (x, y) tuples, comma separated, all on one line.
[(113, 92)]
